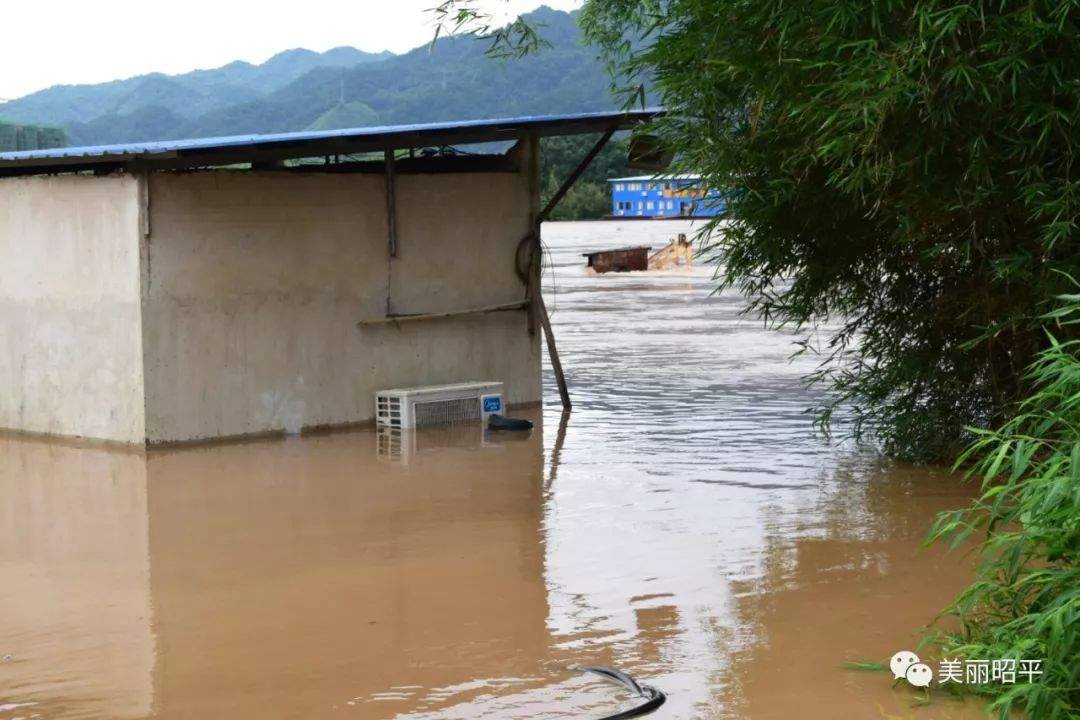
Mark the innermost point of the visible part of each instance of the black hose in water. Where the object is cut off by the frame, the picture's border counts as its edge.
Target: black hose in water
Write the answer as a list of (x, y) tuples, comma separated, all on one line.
[(653, 697)]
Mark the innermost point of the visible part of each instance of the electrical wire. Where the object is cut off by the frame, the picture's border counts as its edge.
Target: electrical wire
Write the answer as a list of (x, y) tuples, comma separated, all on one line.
[(653, 697), (546, 254)]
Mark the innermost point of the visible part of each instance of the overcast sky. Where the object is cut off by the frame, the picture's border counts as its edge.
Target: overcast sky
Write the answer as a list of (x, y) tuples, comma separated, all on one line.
[(76, 41)]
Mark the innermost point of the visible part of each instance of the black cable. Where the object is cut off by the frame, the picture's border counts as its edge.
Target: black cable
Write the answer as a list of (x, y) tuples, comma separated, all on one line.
[(654, 698)]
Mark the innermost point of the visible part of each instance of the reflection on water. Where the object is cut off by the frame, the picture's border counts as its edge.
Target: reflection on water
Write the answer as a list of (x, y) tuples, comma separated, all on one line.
[(683, 523), (75, 591)]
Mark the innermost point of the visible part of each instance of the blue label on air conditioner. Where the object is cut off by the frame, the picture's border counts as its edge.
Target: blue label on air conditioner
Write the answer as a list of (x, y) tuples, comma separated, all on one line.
[(492, 404)]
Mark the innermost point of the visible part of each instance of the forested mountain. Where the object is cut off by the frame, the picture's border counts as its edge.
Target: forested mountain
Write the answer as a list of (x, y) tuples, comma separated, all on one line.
[(158, 106), (299, 89), (345, 87)]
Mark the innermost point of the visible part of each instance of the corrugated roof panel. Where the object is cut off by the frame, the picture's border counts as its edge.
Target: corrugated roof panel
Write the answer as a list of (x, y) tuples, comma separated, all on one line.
[(658, 177), (296, 144)]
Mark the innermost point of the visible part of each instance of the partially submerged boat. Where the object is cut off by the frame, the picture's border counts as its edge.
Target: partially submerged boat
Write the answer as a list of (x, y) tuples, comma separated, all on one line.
[(679, 253), (621, 260)]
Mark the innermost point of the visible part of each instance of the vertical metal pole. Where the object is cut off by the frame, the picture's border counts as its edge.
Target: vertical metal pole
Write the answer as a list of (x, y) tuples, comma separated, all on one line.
[(391, 201), (532, 168), (538, 309)]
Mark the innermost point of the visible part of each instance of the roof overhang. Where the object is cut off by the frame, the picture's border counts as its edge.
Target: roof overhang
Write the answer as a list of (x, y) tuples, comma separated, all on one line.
[(210, 152), (657, 177)]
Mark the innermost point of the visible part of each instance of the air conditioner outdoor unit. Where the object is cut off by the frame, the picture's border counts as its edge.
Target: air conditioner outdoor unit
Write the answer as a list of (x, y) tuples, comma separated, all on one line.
[(438, 404)]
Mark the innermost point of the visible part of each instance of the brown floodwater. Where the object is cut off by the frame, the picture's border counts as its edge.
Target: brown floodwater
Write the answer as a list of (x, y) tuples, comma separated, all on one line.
[(684, 523)]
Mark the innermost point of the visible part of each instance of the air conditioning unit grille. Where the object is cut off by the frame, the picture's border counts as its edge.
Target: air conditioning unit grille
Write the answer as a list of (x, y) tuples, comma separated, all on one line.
[(445, 412), (388, 410), (438, 404)]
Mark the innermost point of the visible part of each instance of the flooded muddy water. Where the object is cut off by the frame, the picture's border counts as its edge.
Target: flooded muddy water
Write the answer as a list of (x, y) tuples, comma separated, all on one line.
[(683, 523)]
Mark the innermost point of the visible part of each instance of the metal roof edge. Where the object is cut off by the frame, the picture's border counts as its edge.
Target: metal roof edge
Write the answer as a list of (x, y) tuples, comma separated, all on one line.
[(658, 176), (232, 149)]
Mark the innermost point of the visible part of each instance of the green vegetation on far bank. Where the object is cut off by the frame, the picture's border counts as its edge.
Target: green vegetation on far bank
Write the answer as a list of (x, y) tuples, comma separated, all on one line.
[(29, 137), (590, 197)]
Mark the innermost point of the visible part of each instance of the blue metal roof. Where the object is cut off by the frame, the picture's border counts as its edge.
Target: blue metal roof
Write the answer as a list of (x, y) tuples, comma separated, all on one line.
[(241, 148)]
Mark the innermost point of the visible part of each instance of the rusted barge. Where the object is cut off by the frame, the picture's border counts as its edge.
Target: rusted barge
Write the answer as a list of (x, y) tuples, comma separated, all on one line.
[(679, 253), (620, 260)]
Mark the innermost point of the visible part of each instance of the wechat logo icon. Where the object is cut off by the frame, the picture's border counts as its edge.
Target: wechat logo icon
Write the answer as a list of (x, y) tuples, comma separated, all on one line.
[(905, 664)]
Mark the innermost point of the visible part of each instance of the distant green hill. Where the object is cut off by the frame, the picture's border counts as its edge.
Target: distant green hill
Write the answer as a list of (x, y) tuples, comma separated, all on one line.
[(453, 80), (150, 122), (345, 115), (144, 107), (30, 137), (299, 89)]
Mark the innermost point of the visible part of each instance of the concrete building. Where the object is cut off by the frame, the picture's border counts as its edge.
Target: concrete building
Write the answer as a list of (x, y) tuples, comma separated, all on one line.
[(189, 290), (652, 196)]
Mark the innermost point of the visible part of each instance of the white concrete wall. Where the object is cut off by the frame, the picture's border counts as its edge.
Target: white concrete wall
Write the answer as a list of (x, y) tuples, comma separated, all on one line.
[(254, 283), (70, 345)]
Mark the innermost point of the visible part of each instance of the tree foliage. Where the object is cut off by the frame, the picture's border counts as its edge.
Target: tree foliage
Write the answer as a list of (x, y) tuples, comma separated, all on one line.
[(904, 169), (590, 197), (1025, 603), (29, 137)]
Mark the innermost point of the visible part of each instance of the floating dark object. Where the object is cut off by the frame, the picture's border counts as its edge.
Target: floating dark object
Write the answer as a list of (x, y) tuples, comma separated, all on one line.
[(653, 698), (501, 422), (621, 260)]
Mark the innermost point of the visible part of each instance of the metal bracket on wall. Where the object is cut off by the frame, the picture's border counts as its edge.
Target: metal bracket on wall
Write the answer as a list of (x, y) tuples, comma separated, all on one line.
[(391, 201), (389, 171), (574, 176), (143, 180)]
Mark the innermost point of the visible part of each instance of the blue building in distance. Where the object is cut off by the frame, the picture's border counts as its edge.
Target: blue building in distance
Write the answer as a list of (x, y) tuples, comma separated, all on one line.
[(649, 196)]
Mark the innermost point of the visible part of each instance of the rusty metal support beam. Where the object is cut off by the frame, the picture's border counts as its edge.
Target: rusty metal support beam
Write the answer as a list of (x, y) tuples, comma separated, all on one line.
[(574, 176), (556, 363)]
